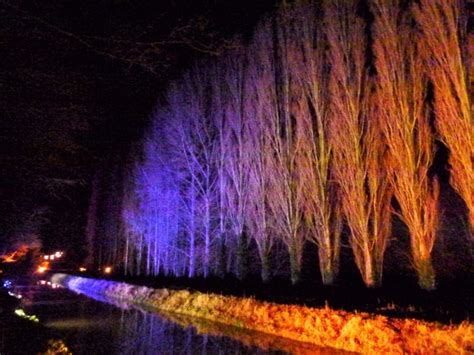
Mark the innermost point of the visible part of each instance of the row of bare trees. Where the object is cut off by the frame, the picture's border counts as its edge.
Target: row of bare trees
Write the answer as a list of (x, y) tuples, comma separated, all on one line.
[(321, 121)]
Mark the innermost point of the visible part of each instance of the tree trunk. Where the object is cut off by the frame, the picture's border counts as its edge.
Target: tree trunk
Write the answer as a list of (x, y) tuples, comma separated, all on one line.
[(242, 267), (426, 273), (221, 258), (328, 266), (207, 239), (295, 264), (265, 271), (372, 273)]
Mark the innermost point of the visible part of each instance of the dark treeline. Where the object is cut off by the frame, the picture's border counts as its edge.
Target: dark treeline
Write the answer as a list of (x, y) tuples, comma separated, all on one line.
[(338, 123)]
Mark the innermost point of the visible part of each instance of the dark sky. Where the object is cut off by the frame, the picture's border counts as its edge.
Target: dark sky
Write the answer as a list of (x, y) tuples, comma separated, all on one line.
[(78, 81)]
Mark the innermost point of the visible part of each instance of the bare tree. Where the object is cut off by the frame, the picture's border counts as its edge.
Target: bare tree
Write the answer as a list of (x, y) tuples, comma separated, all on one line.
[(258, 216), (284, 132), (401, 90), (219, 121), (195, 134), (158, 195), (443, 36), (179, 132), (319, 199), (358, 146), (236, 167)]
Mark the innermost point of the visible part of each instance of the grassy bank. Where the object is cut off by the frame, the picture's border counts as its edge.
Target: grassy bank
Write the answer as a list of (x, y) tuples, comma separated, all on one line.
[(351, 331)]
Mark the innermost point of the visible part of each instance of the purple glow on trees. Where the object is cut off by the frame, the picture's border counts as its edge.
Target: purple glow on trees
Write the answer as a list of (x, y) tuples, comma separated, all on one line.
[(279, 93), (282, 141), (234, 152), (259, 170)]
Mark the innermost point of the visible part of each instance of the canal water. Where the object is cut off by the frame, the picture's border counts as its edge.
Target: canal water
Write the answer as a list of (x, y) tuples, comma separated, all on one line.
[(90, 324)]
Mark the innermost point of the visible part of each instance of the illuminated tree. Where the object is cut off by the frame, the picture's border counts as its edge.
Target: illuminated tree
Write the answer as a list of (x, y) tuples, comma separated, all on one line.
[(193, 136), (236, 166), (401, 93), (219, 121), (130, 218), (135, 227), (319, 197), (275, 144), (358, 146), (158, 205), (280, 127), (258, 216), (443, 33)]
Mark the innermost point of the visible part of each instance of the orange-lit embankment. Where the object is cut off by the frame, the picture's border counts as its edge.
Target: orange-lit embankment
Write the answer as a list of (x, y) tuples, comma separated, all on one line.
[(359, 332)]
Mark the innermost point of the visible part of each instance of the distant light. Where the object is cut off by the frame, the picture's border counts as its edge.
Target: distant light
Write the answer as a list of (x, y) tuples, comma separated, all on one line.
[(46, 257), (43, 282), (44, 266), (82, 269), (51, 257), (49, 283), (7, 284), (108, 269), (16, 295), (21, 313), (58, 254)]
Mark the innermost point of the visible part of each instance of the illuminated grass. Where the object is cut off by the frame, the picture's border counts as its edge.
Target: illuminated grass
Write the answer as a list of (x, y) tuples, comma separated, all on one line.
[(352, 331)]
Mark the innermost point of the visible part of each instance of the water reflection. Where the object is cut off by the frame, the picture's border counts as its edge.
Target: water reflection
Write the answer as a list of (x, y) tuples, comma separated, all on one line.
[(251, 338), (98, 325), (145, 333)]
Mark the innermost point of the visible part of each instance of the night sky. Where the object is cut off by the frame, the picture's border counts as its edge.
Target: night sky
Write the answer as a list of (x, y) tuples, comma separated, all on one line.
[(78, 81)]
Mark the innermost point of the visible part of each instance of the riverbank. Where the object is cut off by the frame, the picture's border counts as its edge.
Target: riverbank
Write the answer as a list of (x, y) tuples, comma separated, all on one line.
[(350, 331), (451, 303)]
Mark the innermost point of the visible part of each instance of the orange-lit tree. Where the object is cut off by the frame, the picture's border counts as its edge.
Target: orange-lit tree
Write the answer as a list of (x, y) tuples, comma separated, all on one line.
[(357, 141), (401, 95), (440, 22), (319, 201), (280, 127)]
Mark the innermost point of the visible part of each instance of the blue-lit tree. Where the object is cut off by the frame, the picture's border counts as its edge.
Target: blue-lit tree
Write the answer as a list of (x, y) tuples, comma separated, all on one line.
[(276, 142)]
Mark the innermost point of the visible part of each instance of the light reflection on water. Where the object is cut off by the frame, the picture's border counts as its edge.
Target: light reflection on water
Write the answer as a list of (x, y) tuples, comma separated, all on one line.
[(97, 325)]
